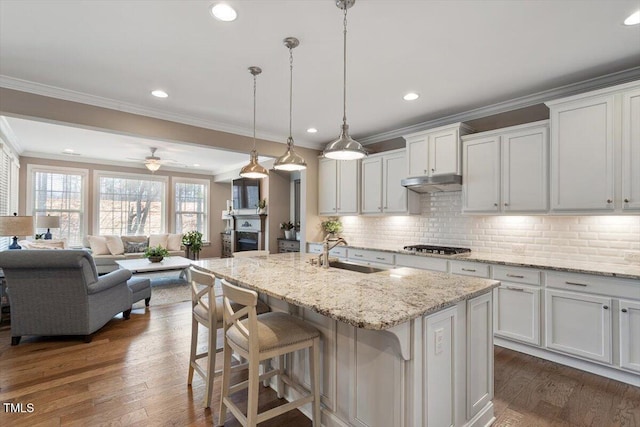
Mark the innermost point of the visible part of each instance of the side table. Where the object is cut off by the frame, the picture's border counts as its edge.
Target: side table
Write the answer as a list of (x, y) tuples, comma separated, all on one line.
[(4, 299)]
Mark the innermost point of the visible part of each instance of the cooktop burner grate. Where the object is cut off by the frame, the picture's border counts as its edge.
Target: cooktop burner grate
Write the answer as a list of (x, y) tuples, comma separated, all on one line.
[(442, 250)]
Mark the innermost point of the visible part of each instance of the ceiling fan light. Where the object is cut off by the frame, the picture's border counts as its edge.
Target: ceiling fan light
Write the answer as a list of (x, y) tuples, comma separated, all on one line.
[(290, 161), (254, 169), (152, 165), (345, 147)]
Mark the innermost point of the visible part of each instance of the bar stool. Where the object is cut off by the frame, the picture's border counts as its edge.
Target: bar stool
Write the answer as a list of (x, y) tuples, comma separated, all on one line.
[(262, 337), (209, 316)]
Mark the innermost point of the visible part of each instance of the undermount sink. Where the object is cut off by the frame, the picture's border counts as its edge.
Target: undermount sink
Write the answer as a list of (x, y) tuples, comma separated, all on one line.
[(355, 267)]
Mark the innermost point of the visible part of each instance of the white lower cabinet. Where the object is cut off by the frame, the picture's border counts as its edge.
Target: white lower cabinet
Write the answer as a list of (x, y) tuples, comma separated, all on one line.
[(630, 335), (479, 354), (579, 324), (517, 312)]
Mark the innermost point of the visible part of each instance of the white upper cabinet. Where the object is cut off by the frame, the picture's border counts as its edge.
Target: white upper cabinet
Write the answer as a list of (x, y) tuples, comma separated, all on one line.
[(338, 187), (595, 151), (631, 150), (381, 190), (435, 151), (506, 170)]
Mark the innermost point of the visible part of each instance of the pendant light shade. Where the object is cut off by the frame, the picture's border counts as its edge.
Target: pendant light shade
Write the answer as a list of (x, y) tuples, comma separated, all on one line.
[(290, 161), (345, 147), (254, 169)]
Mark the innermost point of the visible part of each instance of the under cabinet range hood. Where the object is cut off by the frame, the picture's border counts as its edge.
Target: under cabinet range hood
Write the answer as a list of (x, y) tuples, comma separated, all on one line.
[(433, 184)]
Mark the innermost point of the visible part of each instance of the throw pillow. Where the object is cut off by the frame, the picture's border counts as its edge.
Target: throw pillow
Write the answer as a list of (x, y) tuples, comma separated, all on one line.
[(174, 241), (158, 239), (52, 245), (135, 247), (114, 243), (98, 245)]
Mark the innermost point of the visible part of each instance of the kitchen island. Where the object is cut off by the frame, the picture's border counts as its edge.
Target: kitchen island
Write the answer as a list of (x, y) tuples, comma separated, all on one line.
[(400, 347)]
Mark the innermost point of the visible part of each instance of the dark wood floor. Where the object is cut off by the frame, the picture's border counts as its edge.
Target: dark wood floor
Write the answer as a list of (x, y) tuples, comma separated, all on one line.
[(134, 373)]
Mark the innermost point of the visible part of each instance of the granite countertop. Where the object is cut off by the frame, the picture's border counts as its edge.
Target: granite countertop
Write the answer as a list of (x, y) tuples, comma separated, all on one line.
[(569, 266), (374, 301)]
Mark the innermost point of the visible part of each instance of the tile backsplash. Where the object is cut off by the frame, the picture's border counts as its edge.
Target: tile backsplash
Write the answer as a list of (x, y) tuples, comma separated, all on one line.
[(602, 239)]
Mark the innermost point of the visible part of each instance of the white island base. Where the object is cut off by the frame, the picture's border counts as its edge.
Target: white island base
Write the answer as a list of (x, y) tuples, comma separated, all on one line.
[(433, 371)]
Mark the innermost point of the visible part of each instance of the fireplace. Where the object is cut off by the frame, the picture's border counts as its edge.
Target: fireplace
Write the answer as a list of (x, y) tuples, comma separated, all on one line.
[(247, 241), (247, 232)]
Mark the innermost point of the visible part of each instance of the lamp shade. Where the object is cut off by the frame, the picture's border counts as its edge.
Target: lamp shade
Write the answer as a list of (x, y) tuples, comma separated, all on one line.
[(16, 225), (48, 221)]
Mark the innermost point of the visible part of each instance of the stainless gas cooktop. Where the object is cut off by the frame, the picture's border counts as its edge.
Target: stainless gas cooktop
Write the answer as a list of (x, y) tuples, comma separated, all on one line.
[(442, 250)]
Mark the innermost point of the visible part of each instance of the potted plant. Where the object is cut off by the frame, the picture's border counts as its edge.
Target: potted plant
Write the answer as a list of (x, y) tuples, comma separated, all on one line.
[(332, 226), (156, 254), (261, 207), (192, 240), (289, 230)]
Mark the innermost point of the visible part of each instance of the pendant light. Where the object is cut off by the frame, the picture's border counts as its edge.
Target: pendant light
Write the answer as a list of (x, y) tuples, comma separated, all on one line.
[(345, 147), (254, 169), (290, 161)]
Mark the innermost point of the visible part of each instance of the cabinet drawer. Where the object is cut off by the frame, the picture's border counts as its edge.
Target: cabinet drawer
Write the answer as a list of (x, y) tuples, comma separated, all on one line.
[(422, 262), (516, 275), (288, 244), (314, 248), (371, 256), (338, 251), (612, 287), (467, 268)]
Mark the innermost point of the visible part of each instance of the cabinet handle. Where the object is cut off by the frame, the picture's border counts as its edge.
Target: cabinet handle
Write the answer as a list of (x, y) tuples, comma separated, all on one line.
[(626, 200), (357, 255), (433, 170), (495, 204), (517, 276), (425, 171), (380, 258), (606, 307), (515, 289), (576, 284), (468, 269), (624, 310), (609, 201)]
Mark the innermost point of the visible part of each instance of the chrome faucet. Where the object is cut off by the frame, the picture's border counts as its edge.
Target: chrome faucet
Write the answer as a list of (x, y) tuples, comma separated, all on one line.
[(326, 247)]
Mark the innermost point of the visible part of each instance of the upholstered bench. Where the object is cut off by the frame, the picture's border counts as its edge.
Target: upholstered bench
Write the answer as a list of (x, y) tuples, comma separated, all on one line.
[(140, 288)]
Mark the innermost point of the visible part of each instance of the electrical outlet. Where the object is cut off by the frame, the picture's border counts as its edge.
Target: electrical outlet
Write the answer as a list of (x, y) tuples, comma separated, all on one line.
[(518, 248), (439, 338), (633, 257)]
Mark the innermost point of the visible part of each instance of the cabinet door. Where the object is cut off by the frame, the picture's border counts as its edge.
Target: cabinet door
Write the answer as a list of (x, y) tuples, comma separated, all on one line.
[(444, 153), (582, 155), (348, 183), (327, 185), (525, 171), (417, 156), (516, 312), (395, 195), (630, 335), (579, 324), (481, 175), (479, 354), (371, 185), (631, 150)]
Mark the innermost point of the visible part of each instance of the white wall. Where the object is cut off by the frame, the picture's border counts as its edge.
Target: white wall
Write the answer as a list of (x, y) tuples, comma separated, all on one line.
[(603, 239)]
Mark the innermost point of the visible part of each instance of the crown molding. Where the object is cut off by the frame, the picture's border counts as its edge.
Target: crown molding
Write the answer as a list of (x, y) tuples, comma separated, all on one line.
[(513, 104), (97, 101), (10, 137)]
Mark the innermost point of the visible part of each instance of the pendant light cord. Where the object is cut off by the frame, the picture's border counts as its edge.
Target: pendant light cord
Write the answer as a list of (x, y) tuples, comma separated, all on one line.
[(290, 90), (254, 112), (344, 93)]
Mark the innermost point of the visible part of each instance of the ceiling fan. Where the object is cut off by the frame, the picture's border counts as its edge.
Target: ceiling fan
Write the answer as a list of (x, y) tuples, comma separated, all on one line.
[(154, 162)]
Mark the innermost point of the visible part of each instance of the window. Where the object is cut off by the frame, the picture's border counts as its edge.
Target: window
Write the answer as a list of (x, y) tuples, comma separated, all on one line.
[(8, 187), (59, 192), (130, 205), (191, 206)]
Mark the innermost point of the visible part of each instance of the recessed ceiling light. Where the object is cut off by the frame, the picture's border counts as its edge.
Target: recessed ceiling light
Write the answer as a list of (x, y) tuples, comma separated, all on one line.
[(69, 150), (633, 19), (312, 130), (411, 96), (160, 93), (223, 12), (196, 165)]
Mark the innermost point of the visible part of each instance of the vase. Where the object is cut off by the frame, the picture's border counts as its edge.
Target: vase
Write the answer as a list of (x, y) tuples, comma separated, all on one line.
[(290, 234), (156, 258), (332, 237)]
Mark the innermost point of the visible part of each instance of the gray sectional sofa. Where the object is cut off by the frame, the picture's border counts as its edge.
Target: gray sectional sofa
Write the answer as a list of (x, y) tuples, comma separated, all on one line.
[(134, 247)]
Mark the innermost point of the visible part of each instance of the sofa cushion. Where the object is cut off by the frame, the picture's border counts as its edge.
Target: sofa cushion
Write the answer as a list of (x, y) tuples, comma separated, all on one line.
[(158, 240), (98, 245), (114, 243), (174, 241)]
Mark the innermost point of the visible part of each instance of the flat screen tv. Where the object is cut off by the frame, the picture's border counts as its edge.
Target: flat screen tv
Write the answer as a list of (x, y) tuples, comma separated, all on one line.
[(246, 193)]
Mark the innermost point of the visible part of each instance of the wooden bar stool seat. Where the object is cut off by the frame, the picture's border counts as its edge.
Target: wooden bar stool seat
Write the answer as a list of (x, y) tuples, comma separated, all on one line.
[(210, 316), (262, 337)]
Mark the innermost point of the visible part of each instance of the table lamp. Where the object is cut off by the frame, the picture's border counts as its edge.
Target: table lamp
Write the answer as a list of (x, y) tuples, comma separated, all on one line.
[(48, 222), (16, 226)]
